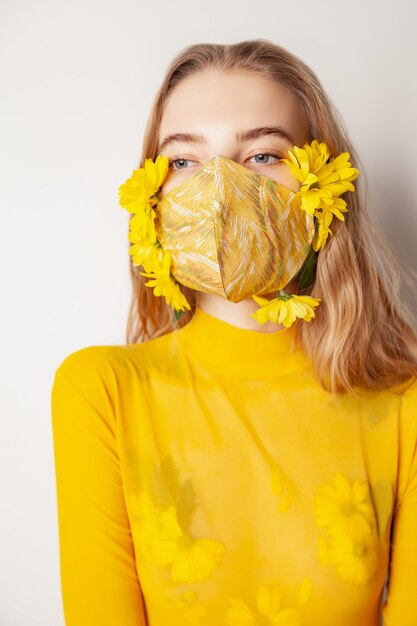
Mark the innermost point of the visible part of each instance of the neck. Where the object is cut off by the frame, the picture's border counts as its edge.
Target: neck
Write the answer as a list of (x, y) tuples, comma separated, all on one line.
[(240, 351), (238, 313)]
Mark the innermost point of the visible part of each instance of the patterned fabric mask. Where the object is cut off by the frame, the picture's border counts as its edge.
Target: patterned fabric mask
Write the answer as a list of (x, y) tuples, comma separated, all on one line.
[(233, 232), (230, 231)]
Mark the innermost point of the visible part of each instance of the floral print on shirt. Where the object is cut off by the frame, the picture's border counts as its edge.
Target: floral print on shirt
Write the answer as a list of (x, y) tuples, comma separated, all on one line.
[(350, 541), (270, 608), (163, 511)]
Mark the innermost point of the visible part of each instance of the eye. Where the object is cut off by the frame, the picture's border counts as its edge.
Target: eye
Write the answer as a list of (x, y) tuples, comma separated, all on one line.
[(181, 163), (264, 161)]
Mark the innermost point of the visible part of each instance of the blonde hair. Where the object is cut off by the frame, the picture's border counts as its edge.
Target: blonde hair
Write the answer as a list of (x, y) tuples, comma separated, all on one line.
[(362, 336)]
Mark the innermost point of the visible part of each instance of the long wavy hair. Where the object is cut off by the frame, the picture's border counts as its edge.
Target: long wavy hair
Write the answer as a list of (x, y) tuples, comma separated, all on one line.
[(363, 335)]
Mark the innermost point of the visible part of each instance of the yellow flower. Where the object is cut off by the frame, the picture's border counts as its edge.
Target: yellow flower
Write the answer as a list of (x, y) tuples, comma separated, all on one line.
[(193, 609), (305, 162), (144, 252), (134, 194), (164, 285), (324, 220), (344, 505), (139, 195), (142, 224), (196, 560), (321, 179), (164, 541), (191, 560), (269, 609), (334, 207), (285, 308), (140, 189), (354, 553), (345, 172), (344, 510), (156, 172), (337, 206)]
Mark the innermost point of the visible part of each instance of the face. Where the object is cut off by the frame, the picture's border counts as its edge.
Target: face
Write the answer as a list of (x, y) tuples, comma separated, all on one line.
[(218, 114)]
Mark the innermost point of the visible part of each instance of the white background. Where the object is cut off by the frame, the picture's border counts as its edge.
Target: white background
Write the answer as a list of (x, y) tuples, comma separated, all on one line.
[(77, 82)]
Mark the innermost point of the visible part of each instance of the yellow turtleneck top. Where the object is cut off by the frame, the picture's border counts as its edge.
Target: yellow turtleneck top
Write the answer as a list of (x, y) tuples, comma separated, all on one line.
[(205, 478)]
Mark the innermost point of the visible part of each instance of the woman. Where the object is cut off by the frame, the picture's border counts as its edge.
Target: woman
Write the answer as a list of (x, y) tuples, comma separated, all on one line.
[(249, 456)]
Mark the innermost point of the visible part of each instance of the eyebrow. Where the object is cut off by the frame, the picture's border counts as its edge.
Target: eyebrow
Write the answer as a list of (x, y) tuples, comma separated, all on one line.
[(241, 136)]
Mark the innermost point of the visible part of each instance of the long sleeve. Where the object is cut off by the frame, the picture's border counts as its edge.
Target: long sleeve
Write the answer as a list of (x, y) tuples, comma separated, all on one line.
[(400, 608), (98, 577)]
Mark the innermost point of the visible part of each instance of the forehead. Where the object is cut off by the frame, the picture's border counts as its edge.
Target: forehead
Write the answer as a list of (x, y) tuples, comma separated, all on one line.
[(213, 102)]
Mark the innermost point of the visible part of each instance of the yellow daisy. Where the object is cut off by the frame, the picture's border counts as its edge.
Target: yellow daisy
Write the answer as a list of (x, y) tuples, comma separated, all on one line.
[(140, 196), (305, 162), (156, 172), (269, 610), (324, 219), (321, 179), (196, 560), (142, 224), (134, 194), (164, 285), (192, 560), (164, 541), (336, 206), (285, 308), (344, 504), (144, 252), (346, 173), (141, 188), (355, 554)]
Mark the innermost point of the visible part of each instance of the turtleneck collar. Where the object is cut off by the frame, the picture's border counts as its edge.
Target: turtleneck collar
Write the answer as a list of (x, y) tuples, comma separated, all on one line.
[(240, 351)]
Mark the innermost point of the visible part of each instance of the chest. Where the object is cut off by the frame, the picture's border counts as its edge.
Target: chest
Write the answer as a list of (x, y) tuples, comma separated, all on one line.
[(237, 493)]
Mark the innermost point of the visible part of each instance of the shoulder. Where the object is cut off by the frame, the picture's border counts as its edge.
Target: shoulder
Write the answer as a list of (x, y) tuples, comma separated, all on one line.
[(96, 380), (407, 432), (89, 364), (408, 411), (87, 385), (85, 375), (109, 362), (87, 358), (409, 394), (409, 404)]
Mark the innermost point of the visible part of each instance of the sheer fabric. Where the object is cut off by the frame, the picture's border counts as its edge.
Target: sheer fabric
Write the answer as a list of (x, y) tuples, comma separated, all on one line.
[(205, 478)]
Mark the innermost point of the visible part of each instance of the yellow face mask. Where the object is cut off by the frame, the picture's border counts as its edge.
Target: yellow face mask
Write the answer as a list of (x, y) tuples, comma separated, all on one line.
[(233, 232)]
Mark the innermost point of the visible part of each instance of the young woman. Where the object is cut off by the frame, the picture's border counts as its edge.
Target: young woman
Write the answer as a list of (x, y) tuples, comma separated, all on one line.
[(249, 456)]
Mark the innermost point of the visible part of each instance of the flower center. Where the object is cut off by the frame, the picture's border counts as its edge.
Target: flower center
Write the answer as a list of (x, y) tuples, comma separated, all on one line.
[(348, 508), (284, 296), (359, 549)]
